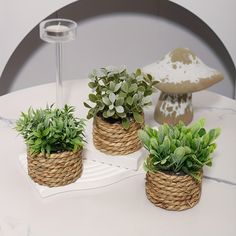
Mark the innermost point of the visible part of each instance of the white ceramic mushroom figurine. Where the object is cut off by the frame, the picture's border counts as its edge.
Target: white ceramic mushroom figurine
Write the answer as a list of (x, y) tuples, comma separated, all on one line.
[(180, 74)]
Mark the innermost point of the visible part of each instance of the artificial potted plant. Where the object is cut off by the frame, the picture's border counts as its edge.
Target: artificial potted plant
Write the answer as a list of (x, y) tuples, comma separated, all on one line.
[(54, 140), (174, 166), (119, 99)]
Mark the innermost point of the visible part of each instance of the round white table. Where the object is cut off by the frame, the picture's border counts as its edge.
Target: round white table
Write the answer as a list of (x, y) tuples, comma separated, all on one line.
[(121, 208)]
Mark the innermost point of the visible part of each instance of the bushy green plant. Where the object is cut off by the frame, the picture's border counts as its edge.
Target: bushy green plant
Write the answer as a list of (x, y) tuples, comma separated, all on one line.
[(51, 130), (118, 95), (179, 148)]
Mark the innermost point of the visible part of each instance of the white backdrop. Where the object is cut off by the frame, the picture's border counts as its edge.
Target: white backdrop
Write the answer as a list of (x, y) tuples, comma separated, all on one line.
[(112, 32)]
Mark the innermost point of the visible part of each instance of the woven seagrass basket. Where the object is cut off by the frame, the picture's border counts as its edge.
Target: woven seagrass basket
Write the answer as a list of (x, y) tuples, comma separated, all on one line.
[(113, 139), (58, 169), (172, 192)]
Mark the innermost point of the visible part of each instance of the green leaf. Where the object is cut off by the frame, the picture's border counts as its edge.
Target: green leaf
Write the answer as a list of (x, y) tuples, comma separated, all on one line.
[(164, 160), (110, 113), (212, 147), (155, 82), (205, 140), (213, 134), (106, 100), (122, 115), (166, 143), (187, 150), (119, 101), (122, 95), (133, 88), (122, 69), (154, 152), (100, 105), (90, 113), (124, 87), (189, 164), (87, 105), (195, 127), (135, 98), (154, 143), (148, 92), (179, 152), (99, 73), (195, 175), (117, 87), (92, 85), (38, 141), (37, 134), (141, 89), (46, 131), (138, 72), (144, 138), (129, 100), (48, 149), (92, 97), (195, 144), (112, 86), (104, 114), (138, 118), (201, 132), (111, 107), (112, 97), (125, 123), (119, 109), (77, 140), (146, 100)]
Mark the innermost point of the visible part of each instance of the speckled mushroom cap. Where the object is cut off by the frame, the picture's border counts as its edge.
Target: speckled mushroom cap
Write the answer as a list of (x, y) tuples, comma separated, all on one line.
[(181, 71)]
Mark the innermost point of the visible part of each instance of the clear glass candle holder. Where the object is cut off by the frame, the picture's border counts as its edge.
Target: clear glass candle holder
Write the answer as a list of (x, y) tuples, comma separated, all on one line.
[(58, 31)]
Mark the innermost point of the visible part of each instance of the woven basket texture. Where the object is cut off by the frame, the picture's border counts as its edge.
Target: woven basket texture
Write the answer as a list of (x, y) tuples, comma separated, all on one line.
[(58, 169), (113, 139), (172, 192)]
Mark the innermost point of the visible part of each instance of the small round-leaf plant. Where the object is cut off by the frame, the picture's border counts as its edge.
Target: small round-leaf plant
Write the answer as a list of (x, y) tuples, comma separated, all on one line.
[(179, 149), (119, 96), (51, 130)]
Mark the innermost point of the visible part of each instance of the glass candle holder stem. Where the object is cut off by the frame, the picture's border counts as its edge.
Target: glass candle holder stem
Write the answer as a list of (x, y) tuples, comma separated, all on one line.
[(59, 86), (58, 32)]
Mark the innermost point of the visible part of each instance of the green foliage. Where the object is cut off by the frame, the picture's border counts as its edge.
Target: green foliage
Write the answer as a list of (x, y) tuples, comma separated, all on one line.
[(179, 148), (51, 130), (118, 95)]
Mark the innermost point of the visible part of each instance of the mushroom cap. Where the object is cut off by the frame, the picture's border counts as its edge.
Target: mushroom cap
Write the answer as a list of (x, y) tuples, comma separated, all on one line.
[(181, 71)]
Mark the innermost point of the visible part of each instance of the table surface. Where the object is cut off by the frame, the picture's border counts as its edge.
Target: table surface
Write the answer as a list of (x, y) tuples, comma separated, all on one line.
[(121, 208)]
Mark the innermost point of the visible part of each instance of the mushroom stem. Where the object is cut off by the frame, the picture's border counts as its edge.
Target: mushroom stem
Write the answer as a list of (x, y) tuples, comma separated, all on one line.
[(171, 108)]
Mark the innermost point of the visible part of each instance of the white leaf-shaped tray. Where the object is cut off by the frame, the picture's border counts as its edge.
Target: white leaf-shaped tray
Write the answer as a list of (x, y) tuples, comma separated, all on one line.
[(95, 175)]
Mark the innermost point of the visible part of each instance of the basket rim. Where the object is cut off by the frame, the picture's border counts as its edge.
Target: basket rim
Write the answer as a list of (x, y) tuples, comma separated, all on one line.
[(45, 155), (172, 173), (173, 176), (116, 121)]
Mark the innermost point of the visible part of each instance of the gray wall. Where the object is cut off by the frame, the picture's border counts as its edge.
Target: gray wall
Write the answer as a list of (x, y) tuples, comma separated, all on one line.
[(120, 32)]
